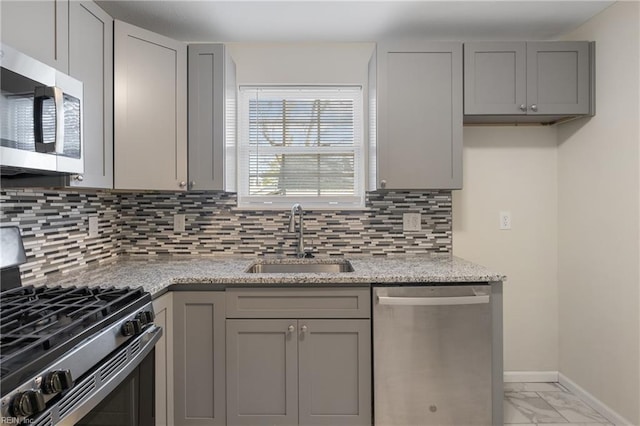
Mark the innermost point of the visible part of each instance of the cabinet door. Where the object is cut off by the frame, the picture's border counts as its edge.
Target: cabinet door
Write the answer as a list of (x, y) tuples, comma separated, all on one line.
[(335, 372), (495, 78), (163, 308), (39, 29), (91, 61), (262, 372), (199, 353), (420, 115), (150, 110), (558, 78), (206, 116)]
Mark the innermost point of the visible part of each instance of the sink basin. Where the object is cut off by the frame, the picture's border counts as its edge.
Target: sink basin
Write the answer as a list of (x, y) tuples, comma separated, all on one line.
[(300, 267)]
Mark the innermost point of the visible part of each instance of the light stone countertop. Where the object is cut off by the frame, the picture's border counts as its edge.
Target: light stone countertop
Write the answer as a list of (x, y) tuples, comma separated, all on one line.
[(158, 274)]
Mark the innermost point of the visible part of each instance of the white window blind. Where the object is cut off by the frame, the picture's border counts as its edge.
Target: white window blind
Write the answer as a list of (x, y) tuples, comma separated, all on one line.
[(301, 144)]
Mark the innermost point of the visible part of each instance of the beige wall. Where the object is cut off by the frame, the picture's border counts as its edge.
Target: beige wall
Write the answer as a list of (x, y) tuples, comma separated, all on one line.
[(599, 219), (514, 169), (303, 63)]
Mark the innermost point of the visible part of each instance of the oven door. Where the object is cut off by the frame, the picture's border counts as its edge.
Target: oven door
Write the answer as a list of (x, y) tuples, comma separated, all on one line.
[(118, 391), (131, 403)]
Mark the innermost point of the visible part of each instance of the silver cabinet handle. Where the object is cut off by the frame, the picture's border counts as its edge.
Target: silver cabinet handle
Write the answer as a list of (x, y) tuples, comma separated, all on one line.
[(304, 329), (78, 178), (291, 329), (534, 108), (182, 184), (523, 107), (192, 183), (383, 184), (433, 301)]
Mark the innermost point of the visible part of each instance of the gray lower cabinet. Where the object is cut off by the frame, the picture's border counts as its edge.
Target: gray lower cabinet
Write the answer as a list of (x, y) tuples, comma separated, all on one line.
[(334, 372), (91, 61), (528, 81), (199, 358), (298, 356), (419, 115), (262, 372), (304, 371), (163, 308)]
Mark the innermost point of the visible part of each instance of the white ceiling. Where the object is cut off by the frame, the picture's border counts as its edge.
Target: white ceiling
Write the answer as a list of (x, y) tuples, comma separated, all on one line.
[(353, 21)]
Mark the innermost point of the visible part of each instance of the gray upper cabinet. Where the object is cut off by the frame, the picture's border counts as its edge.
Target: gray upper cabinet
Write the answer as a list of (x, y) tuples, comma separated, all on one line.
[(199, 358), (419, 115), (91, 61), (212, 93), (495, 78), (558, 78), (150, 119), (527, 81), (39, 29)]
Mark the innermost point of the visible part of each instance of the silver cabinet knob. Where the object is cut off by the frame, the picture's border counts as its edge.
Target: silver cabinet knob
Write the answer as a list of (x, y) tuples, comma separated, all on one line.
[(182, 184), (304, 328), (291, 329), (383, 183), (523, 107), (534, 108), (78, 178), (192, 183)]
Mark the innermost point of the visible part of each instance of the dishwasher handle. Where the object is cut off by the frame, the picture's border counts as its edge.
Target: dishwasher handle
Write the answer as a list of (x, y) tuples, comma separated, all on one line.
[(434, 301)]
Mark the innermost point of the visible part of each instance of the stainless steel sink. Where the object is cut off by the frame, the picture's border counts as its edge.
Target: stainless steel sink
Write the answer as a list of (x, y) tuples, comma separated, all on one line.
[(299, 267)]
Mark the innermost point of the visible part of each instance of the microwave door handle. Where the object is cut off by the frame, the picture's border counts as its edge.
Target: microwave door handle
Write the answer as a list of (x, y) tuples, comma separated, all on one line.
[(59, 101), (40, 95)]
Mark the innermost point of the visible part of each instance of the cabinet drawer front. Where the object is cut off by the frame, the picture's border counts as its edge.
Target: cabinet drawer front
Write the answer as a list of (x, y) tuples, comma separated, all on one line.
[(298, 303)]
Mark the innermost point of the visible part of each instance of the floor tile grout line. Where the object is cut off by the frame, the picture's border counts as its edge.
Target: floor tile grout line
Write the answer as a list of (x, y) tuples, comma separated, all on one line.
[(554, 408)]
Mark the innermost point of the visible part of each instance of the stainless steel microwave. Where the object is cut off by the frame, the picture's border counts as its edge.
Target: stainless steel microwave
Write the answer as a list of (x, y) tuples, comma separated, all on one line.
[(40, 118)]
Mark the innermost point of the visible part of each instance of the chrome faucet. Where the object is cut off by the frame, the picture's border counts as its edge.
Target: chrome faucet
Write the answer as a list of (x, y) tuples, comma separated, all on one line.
[(297, 209)]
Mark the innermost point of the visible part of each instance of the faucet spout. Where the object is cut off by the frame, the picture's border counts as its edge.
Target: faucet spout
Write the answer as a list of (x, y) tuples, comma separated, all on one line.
[(297, 209)]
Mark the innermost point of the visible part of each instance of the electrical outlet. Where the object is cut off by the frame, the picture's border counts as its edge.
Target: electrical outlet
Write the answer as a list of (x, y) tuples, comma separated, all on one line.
[(93, 226), (178, 223), (505, 220), (411, 221)]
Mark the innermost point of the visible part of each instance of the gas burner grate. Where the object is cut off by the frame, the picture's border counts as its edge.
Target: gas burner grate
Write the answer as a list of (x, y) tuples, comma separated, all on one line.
[(38, 322)]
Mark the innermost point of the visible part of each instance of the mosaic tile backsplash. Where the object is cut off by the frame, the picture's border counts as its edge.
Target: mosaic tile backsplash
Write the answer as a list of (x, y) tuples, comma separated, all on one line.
[(55, 226)]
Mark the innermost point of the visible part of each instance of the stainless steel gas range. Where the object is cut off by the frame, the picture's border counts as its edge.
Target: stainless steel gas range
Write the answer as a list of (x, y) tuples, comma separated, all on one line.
[(75, 355)]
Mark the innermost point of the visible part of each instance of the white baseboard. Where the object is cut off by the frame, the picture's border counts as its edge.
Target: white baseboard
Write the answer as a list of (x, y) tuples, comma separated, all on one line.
[(530, 376), (594, 402)]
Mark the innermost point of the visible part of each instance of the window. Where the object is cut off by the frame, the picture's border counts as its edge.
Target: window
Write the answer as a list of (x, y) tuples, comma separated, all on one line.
[(301, 144)]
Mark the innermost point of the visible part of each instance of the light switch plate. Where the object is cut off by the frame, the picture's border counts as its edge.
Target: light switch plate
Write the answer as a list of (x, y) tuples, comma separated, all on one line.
[(178, 223), (93, 226), (411, 222)]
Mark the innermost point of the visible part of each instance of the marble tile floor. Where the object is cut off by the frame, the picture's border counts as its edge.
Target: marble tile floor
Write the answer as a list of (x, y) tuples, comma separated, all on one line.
[(548, 404)]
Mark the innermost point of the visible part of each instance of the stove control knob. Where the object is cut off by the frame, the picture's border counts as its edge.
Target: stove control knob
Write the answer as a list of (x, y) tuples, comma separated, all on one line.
[(27, 403), (57, 381), (145, 317), (131, 327)]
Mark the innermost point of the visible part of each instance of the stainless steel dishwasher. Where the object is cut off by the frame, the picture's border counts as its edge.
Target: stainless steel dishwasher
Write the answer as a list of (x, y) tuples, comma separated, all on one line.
[(435, 352)]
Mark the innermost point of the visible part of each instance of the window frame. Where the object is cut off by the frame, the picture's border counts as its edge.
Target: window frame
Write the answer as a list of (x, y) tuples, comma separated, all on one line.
[(279, 202)]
